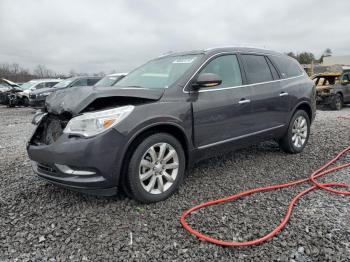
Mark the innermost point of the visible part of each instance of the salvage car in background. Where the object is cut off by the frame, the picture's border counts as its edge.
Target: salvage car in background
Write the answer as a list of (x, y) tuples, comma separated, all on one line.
[(333, 89), (111, 79), (32, 85), (7, 87), (142, 133), (37, 98)]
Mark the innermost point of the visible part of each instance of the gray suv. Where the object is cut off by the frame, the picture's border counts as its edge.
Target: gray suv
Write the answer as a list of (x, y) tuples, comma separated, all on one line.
[(143, 133)]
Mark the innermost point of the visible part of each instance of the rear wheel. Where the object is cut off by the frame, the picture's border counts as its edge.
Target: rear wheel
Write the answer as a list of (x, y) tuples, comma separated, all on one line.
[(156, 168), (297, 135), (337, 103)]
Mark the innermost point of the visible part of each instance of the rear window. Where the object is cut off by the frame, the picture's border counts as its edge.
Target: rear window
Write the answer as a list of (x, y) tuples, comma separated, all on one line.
[(257, 69), (288, 67)]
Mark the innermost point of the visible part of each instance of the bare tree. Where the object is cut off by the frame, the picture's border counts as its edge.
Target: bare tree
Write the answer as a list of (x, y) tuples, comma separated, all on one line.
[(72, 73), (16, 73), (327, 52)]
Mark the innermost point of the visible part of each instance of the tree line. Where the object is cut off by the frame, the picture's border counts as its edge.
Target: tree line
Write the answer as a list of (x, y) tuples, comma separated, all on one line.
[(17, 73), (308, 57)]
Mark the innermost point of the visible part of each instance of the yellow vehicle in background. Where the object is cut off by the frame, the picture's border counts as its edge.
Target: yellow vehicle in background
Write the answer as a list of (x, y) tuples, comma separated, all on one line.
[(332, 89)]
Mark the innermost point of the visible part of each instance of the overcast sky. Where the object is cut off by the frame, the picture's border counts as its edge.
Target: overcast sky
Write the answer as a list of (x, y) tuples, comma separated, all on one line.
[(104, 35)]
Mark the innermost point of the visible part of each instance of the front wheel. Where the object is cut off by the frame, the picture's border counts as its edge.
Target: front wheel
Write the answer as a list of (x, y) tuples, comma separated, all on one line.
[(297, 134), (25, 101), (156, 168)]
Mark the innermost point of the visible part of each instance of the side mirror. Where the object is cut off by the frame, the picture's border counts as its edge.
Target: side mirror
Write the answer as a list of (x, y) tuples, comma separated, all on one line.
[(207, 80)]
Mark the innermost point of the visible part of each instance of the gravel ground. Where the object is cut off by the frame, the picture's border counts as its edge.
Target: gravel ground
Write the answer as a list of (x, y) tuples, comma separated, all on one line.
[(39, 221)]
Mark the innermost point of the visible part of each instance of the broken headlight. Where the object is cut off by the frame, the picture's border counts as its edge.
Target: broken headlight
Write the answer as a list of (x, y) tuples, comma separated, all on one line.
[(91, 124)]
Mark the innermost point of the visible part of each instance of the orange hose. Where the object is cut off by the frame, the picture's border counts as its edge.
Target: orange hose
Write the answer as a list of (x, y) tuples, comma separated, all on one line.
[(316, 185)]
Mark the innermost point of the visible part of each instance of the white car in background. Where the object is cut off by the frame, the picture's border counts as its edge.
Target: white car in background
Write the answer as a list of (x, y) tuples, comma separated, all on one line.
[(34, 85)]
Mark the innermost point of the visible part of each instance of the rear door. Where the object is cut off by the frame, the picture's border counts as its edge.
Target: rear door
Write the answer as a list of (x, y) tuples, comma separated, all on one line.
[(270, 103), (221, 113)]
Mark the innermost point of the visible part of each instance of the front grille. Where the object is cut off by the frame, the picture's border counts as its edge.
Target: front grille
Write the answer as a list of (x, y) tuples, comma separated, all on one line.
[(49, 130)]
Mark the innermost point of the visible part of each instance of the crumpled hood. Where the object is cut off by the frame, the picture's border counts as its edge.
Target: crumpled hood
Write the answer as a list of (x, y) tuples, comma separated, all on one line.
[(74, 100)]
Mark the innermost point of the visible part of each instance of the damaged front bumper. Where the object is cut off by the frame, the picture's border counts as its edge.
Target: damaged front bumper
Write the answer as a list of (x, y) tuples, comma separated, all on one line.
[(87, 165)]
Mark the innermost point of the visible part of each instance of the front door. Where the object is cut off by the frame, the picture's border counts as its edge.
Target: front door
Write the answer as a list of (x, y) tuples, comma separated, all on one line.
[(221, 113)]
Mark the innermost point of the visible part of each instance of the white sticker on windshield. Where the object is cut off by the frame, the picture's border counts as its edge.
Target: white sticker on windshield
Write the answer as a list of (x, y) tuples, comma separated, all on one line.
[(183, 61)]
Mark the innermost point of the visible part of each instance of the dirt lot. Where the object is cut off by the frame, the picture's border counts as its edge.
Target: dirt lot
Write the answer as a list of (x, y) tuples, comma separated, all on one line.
[(39, 221)]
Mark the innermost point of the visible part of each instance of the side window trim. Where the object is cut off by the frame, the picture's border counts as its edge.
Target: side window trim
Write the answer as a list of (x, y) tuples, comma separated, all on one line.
[(186, 89), (269, 62)]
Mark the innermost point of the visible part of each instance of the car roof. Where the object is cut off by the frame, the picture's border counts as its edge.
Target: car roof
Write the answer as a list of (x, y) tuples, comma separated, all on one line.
[(118, 74), (328, 74), (46, 80), (221, 49), (82, 77)]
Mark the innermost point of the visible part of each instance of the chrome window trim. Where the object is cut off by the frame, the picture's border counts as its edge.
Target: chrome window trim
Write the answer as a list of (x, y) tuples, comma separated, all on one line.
[(233, 87), (239, 137)]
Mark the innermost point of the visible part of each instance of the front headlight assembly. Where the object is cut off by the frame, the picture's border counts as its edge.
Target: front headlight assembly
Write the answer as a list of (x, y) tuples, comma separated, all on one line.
[(91, 124)]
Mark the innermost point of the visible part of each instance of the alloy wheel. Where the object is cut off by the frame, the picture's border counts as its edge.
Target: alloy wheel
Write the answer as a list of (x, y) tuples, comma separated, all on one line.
[(299, 131), (159, 168)]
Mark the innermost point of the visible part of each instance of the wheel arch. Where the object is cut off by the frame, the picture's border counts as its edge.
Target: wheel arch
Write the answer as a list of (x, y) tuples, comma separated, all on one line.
[(341, 93), (169, 128), (305, 106)]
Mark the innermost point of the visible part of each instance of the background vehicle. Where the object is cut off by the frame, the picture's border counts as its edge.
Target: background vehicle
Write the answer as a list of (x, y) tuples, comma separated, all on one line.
[(6, 88), (111, 79), (333, 89), (32, 85), (142, 133), (37, 98)]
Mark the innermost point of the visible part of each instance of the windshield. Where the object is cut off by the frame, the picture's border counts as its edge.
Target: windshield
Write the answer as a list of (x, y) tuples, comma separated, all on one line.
[(64, 83), (159, 73), (28, 85), (108, 81)]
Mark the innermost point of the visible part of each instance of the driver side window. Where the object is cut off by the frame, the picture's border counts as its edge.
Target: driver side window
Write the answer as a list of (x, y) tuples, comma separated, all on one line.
[(227, 68), (39, 86)]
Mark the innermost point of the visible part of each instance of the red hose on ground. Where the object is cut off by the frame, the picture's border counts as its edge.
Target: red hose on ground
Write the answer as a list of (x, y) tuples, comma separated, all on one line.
[(316, 185)]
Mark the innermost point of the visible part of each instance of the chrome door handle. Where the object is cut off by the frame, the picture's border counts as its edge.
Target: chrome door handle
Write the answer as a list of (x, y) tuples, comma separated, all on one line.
[(283, 94), (244, 101)]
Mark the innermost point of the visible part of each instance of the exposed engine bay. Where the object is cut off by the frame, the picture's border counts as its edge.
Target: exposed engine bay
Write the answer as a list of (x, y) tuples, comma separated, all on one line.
[(62, 106)]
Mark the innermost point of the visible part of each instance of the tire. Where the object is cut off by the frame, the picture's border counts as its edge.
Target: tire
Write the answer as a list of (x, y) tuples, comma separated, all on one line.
[(297, 134), (337, 102), (25, 101), (155, 174)]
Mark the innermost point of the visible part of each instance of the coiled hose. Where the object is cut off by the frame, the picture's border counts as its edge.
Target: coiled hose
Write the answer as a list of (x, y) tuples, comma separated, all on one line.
[(312, 179)]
